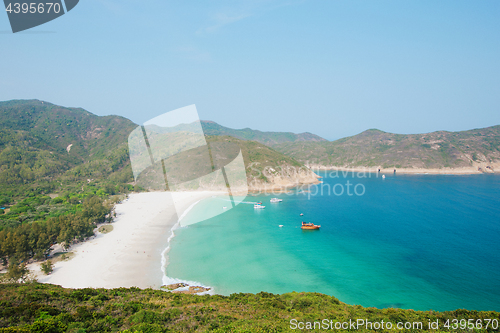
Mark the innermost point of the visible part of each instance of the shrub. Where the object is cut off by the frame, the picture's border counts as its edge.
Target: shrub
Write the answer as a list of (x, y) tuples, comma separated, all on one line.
[(47, 267), (57, 200)]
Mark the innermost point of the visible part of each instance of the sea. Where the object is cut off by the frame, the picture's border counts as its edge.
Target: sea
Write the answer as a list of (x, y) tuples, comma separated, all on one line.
[(417, 242)]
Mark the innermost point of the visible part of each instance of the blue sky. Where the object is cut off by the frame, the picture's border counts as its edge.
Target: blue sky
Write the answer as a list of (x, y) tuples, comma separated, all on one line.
[(333, 68)]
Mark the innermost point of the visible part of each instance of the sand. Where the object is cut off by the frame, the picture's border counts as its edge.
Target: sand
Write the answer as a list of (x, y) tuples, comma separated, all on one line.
[(130, 255), (442, 171)]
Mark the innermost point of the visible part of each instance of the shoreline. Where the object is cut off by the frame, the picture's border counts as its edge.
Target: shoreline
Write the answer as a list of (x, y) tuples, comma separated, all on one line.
[(168, 280), (129, 255), (406, 171), (278, 189)]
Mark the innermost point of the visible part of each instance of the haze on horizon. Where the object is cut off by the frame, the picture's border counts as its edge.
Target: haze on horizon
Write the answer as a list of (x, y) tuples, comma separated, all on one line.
[(333, 69)]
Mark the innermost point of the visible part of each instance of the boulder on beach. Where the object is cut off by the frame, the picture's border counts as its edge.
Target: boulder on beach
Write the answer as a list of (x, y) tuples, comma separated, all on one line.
[(192, 290), (174, 286)]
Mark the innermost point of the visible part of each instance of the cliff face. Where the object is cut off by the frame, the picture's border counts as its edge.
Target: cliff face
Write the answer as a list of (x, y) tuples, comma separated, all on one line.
[(282, 177)]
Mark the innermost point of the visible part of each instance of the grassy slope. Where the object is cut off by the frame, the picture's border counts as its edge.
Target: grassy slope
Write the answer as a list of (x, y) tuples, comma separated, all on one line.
[(377, 148), (48, 308), (267, 138)]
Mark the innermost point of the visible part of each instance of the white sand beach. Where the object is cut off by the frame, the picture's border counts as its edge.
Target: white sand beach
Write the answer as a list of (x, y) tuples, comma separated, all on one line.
[(478, 168), (130, 255)]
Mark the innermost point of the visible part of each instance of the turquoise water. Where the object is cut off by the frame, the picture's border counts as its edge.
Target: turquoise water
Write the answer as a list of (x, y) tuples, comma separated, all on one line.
[(410, 241)]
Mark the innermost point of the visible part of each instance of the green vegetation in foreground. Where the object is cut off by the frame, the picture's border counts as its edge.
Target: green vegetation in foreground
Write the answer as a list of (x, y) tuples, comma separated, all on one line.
[(374, 148), (34, 307)]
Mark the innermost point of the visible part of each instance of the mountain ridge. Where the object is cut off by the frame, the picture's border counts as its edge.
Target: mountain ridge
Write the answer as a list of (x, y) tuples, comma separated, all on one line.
[(470, 151), (74, 136), (267, 138)]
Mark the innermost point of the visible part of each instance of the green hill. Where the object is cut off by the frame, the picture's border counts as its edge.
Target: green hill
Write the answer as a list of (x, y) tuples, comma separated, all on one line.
[(39, 141), (45, 148), (37, 307), (267, 138), (478, 148), (54, 128)]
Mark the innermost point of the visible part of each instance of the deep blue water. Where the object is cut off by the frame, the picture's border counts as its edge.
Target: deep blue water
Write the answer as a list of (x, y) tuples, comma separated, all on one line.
[(410, 241)]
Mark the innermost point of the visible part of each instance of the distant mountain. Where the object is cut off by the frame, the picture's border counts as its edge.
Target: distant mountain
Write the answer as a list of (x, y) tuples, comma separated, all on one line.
[(267, 138), (477, 149)]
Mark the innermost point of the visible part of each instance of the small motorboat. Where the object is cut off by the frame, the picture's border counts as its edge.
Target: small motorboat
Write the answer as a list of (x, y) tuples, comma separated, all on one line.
[(259, 206), (276, 200), (301, 214), (309, 226), (383, 176), (224, 207), (281, 225)]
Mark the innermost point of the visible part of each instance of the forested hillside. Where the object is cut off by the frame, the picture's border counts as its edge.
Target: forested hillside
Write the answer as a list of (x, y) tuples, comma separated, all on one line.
[(40, 142)]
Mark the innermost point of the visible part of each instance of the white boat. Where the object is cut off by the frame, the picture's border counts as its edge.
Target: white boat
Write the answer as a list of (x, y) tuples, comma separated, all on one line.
[(224, 207), (383, 176), (276, 200), (258, 206), (281, 225)]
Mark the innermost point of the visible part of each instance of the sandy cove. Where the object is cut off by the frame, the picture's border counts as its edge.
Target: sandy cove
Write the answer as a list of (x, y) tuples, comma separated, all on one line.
[(130, 255)]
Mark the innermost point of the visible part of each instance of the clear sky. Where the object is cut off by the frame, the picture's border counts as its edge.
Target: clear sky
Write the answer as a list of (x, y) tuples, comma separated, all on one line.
[(333, 68)]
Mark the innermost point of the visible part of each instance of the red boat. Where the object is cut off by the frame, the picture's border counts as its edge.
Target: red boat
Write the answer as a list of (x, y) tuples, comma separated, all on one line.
[(309, 226)]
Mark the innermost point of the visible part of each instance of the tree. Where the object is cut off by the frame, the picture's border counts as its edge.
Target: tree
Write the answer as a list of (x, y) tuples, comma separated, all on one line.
[(65, 239), (3, 254), (94, 209), (9, 245), (47, 267), (17, 271), (43, 246), (22, 245)]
